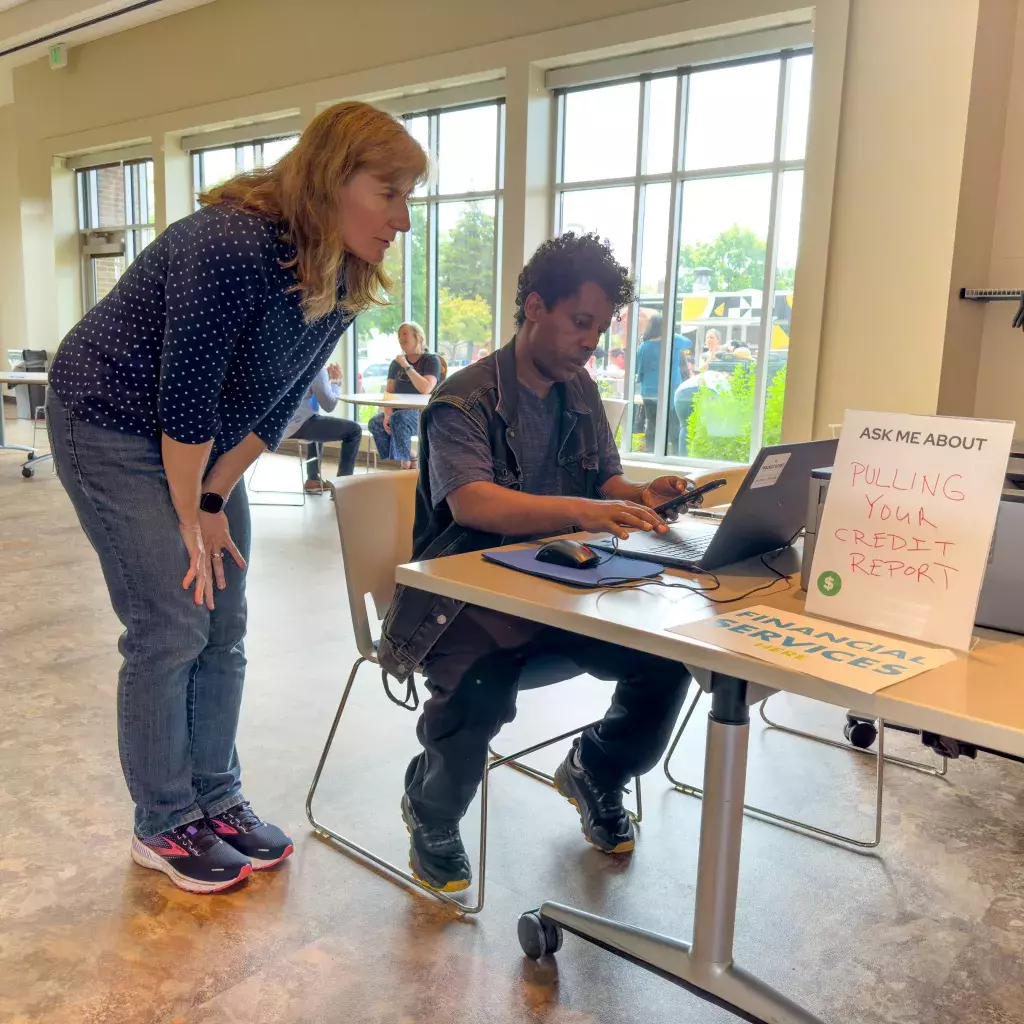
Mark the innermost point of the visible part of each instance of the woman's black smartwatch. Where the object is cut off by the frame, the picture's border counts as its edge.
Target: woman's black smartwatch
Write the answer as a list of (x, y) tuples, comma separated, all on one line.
[(210, 502)]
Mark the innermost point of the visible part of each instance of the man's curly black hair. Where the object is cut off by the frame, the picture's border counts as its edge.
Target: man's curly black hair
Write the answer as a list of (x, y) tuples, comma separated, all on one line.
[(561, 265)]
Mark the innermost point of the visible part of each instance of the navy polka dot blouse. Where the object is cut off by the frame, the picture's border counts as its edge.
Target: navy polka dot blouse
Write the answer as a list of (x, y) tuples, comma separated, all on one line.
[(199, 339)]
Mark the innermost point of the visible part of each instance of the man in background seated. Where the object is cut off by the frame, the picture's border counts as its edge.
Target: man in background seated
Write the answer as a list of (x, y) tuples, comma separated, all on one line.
[(517, 445), (308, 425)]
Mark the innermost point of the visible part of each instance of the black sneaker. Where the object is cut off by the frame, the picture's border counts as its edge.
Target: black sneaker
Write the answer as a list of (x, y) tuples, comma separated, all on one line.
[(193, 858), (604, 820), (265, 845), (436, 855)]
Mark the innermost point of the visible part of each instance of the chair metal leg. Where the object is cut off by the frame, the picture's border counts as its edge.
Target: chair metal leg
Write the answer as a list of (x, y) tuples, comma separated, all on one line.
[(918, 766), (793, 824), (263, 490), (386, 865), (514, 762)]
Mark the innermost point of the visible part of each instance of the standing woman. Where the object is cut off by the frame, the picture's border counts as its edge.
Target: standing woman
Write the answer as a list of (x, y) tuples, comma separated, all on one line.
[(415, 372), (159, 399)]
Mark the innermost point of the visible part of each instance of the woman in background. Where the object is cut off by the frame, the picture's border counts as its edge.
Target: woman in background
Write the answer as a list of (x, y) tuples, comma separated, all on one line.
[(159, 399), (415, 372)]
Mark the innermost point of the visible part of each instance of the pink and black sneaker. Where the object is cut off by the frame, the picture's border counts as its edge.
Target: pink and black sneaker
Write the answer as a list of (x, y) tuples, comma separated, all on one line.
[(193, 858), (265, 845)]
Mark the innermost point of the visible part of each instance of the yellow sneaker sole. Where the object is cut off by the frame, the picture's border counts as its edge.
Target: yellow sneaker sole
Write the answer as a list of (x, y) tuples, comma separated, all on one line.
[(626, 847)]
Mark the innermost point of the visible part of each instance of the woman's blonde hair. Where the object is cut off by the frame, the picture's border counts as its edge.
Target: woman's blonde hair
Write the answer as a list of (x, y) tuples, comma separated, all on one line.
[(421, 336), (301, 192)]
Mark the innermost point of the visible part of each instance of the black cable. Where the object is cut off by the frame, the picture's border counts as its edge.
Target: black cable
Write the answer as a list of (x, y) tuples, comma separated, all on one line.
[(1018, 320), (633, 584)]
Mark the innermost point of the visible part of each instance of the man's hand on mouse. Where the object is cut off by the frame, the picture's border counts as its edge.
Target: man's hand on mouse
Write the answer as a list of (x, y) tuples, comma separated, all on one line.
[(665, 488)]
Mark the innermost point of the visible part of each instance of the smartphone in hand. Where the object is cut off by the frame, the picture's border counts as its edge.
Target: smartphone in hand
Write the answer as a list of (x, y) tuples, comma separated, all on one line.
[(689, 497)]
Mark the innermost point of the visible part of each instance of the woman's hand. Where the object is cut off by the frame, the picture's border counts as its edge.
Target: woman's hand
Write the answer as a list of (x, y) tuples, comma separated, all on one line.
[(402, 361), (333, 372), (387, 421), (216, 536), (198, 564)]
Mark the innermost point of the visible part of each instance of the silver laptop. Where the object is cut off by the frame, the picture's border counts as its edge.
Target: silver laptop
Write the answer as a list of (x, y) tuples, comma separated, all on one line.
[(768, 512)]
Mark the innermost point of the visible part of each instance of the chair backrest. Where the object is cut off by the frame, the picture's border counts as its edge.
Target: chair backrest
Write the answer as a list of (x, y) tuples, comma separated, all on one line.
[(614, 409), (724, 495), (444, 368), (375, 516)]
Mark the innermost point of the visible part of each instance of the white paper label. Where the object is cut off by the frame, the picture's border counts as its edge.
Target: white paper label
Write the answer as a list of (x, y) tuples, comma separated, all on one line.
[(770, 471)]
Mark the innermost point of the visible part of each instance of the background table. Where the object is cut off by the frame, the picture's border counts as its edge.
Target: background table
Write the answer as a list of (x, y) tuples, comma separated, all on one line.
[(386, 401), (978, 698), (20, 377)]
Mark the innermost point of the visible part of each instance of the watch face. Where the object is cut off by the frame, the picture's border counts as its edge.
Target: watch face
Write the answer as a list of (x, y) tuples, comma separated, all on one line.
[(210, 502)]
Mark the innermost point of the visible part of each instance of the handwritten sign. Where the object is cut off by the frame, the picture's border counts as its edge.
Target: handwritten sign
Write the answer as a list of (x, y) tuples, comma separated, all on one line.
[(865, 661), (905, 534)]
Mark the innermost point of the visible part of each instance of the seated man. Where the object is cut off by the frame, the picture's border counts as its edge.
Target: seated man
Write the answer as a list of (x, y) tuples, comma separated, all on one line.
[(517, 445), (308, 425)]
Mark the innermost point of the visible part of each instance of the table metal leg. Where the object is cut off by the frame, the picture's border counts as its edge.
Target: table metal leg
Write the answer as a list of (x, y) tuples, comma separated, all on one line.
[(704, 967)]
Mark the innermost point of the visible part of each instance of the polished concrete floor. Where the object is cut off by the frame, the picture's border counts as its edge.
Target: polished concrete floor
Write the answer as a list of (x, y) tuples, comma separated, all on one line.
[(928, 931)]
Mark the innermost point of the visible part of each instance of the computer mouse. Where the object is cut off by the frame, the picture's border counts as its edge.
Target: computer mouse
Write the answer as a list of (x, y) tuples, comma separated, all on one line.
[(570, 553)]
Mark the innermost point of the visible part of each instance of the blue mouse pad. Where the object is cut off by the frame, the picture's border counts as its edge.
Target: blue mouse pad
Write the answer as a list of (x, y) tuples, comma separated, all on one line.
[(614, 569)]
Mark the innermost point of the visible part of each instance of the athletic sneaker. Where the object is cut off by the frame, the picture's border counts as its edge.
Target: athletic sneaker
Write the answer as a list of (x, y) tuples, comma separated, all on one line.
[(192, 857), (604, 820), (436, 854), (265, 845)]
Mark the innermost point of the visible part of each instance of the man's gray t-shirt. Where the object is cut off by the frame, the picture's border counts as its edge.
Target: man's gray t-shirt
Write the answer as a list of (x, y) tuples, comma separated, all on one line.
[(460, 451)]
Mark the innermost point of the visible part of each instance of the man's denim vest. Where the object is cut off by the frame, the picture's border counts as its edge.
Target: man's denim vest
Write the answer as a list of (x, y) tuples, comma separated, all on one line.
[(486, 390)]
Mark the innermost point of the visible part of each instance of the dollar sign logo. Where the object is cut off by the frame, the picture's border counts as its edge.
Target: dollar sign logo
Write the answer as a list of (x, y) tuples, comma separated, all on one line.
[(829, 584)]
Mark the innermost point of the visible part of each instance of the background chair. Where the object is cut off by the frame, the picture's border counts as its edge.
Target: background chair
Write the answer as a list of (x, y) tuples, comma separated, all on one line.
[(614, 410), (375, 518), (304, 460)]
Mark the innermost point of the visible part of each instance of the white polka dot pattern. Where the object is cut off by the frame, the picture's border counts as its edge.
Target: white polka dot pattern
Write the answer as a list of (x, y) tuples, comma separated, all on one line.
[(199, 338)]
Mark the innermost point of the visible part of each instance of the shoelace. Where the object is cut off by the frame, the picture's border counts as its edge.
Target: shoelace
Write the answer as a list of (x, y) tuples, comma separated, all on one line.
[(242, 817), (196, 837), (440, 836), (609, 802)]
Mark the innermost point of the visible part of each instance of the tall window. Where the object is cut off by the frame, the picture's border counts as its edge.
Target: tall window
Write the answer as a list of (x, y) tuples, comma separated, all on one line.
[(116, 222), (212, 166), (446, 268), (695, 178)]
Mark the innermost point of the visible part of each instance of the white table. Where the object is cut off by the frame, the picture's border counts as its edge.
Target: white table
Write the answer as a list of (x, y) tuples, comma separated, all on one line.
[(28, 467), (387, 401), (979, 699)]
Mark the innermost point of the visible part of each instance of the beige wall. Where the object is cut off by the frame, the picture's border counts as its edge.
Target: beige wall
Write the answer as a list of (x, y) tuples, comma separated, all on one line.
[(12, 300), (907, 99), (920, 133), (1001, 375)]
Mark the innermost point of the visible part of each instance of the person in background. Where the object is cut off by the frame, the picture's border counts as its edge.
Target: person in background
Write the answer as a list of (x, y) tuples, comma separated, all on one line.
[(648, 367), (518, 445), (160, 398), (308, 425), (712, 344), (415, 372)]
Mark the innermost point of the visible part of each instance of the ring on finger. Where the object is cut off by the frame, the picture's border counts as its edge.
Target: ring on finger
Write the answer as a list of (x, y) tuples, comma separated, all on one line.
[(217, 554)]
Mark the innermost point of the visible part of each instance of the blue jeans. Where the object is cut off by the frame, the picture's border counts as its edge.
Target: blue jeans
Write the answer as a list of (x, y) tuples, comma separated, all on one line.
[(398, 444), (180, 685)]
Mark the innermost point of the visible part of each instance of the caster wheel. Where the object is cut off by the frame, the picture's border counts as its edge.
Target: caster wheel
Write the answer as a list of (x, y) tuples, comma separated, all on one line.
[(861, 734), (539, 937), (27, 472)]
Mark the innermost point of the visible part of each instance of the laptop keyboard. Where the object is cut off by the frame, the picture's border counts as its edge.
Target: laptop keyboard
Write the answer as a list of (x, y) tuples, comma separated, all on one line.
[(686, 549)]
